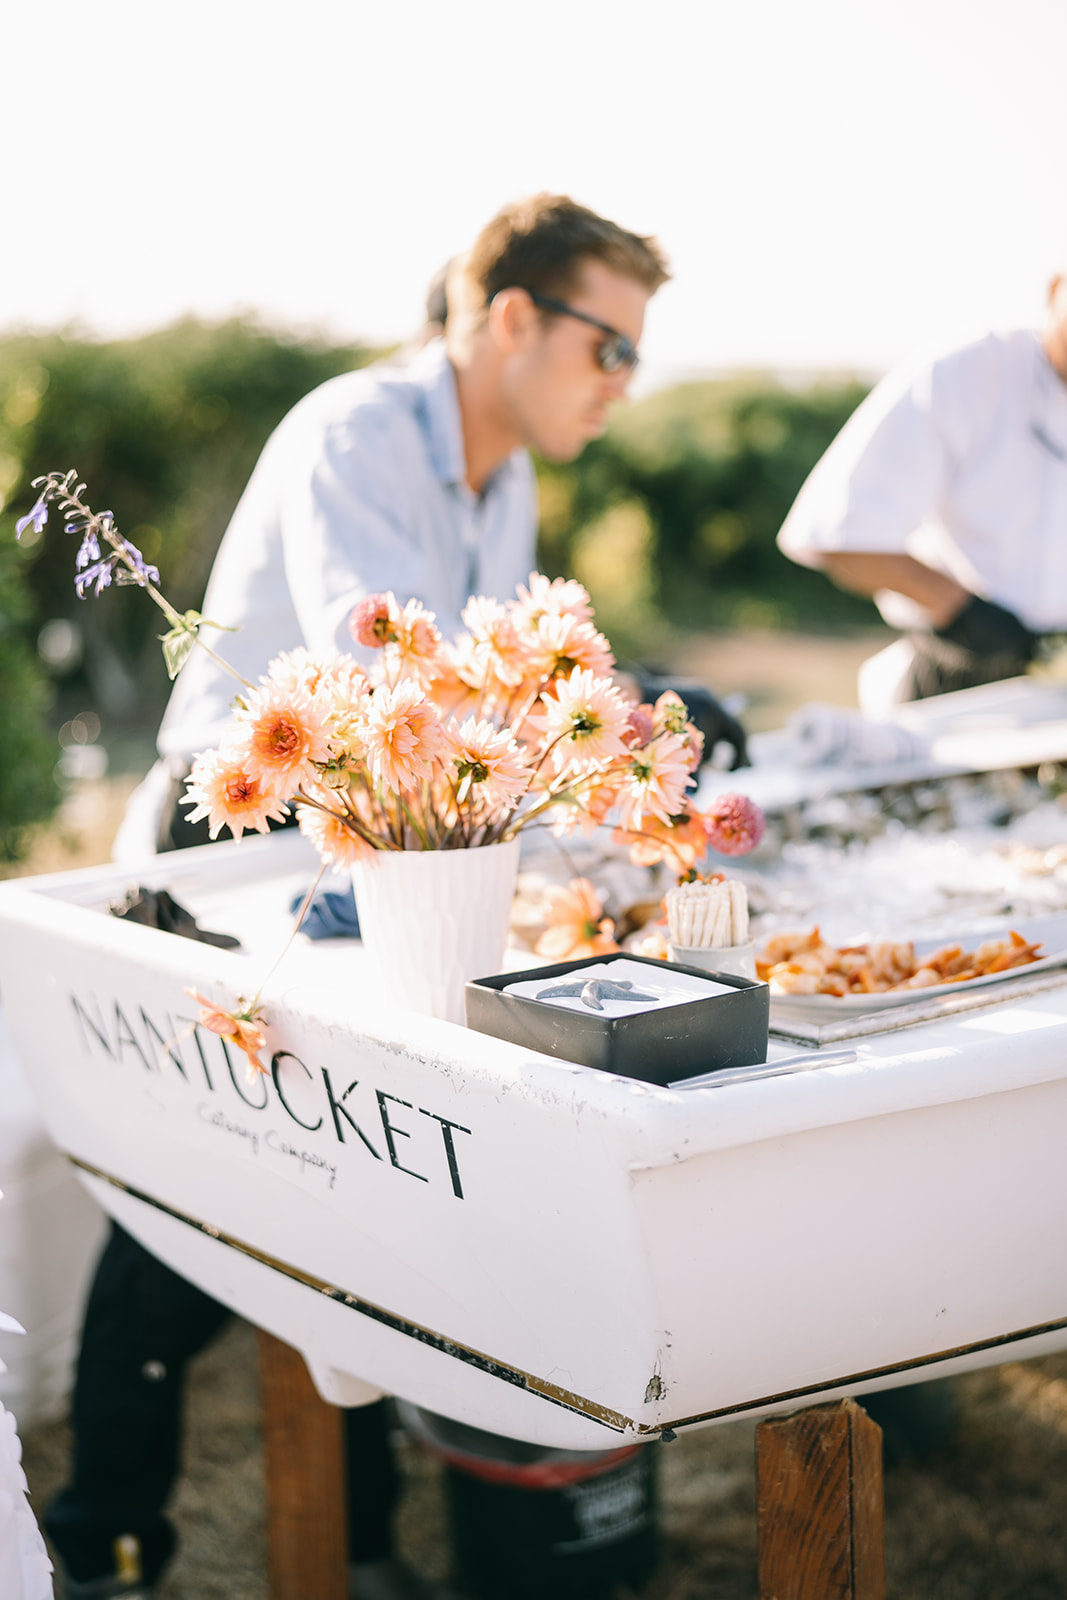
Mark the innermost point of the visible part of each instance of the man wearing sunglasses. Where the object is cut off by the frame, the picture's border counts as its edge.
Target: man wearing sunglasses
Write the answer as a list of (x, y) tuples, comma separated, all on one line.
[(413, 478), (945, 496), (416, 478)]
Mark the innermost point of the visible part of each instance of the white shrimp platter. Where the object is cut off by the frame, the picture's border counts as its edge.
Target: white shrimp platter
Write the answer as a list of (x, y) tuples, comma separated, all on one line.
[(525, 1245), (1048, 932)]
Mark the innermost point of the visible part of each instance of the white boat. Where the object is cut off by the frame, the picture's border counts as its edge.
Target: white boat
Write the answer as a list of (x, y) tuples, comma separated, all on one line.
[(533, 1247)]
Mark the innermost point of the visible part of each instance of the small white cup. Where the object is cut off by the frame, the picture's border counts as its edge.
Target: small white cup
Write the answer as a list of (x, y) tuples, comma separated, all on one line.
[(739, 960)]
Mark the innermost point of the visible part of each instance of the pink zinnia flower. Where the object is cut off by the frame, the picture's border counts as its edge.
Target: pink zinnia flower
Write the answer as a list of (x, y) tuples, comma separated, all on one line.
[(284, 735), (223, 788), (639, 726), (576, 924), (733, 824), (373, 622), (553, 597), (332, 838), (654, 781), (487, 764), (403, 734), (588, 717), (236, 1027)]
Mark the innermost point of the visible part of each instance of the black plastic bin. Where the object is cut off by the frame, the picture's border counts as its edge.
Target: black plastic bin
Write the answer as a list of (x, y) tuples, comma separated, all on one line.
[(529, 1522)]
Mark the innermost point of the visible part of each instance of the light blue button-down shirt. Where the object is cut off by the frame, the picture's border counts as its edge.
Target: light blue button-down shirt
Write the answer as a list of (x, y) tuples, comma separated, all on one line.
[(362, 488)]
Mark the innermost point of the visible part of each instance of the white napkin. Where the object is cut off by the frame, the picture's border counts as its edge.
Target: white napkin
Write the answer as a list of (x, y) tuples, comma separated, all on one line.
[(825, 735)]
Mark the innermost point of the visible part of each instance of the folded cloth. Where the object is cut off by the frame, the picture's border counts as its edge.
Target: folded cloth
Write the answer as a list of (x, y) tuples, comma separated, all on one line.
[(832, 736), (331, 915)]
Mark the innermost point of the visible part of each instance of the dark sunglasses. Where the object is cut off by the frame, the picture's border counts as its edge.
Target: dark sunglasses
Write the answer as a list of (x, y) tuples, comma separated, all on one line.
[(615, 350)]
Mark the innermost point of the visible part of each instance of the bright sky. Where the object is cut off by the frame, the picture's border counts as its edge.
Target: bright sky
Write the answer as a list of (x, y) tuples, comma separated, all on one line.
[(835, 181)]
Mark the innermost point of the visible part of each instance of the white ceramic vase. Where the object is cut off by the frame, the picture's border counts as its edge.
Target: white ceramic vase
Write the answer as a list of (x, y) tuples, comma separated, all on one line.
[(433, 919)]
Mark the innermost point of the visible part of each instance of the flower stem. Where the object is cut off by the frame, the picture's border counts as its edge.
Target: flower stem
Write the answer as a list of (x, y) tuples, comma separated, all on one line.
[(301, 914)]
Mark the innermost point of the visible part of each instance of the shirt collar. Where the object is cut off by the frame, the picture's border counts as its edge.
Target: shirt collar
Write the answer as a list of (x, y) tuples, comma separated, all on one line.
[(441, 422), (439, 413)]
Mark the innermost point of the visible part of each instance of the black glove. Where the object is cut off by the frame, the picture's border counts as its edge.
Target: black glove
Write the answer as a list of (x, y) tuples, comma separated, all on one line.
[(987, 629), (705, 713), (157, 908)]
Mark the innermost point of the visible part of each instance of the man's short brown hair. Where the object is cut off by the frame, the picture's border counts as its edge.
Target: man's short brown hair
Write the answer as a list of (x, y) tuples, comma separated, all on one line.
[(541, 243)]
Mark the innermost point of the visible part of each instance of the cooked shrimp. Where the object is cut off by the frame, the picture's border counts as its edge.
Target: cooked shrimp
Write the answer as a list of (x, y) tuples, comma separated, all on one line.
[(801, 963), (786, 978), (925, 978), (950, 958), (891, 962), (998, 955), (785, 946)]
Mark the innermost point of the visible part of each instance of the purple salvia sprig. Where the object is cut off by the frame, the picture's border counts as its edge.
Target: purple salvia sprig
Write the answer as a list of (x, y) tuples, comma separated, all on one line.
[(37, 515), (122, 563), (105, 557)]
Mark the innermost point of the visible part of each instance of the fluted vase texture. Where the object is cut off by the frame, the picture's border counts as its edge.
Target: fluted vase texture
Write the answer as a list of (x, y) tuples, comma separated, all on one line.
[(433, 919)]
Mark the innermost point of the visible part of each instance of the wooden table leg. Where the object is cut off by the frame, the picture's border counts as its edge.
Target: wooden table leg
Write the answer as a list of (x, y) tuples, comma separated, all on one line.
[(819, 1512), (303, 1448)]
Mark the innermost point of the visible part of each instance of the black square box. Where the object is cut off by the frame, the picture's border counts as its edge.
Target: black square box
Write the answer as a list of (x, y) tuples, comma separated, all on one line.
[(681, 1041)]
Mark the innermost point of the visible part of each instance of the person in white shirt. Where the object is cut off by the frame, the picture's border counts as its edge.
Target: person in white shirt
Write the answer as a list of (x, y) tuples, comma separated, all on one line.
[(415, 480), (945, 497)]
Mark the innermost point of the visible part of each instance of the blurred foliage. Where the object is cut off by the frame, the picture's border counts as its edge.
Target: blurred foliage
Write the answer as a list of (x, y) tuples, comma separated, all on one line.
[(165, 431), (28, 788), (671, 518)]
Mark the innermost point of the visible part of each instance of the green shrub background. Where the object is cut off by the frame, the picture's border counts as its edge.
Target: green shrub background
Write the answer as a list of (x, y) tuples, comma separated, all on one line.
[(670, 519)]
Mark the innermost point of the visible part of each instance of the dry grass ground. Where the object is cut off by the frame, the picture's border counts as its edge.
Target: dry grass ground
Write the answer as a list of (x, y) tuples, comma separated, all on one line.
[(984, 1519), (777, 672)]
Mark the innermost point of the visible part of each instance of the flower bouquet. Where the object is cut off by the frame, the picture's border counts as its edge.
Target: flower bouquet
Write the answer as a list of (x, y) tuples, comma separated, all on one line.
[(456, 745), (438, 749)]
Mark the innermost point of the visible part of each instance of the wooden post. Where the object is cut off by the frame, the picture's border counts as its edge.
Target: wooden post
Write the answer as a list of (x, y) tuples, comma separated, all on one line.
[(303, 1448), (819, 1511)]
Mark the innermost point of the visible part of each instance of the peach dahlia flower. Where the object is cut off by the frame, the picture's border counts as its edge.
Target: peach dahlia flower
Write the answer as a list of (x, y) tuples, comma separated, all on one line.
[(403, 734), (417, 646), (486, 763), (680, 842), (498, 648), (236, 1027), (335, 842), (223, 788), (284, 734), (577, 926), (655, 781), (553, 597), (562, 642), (586, 717)]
